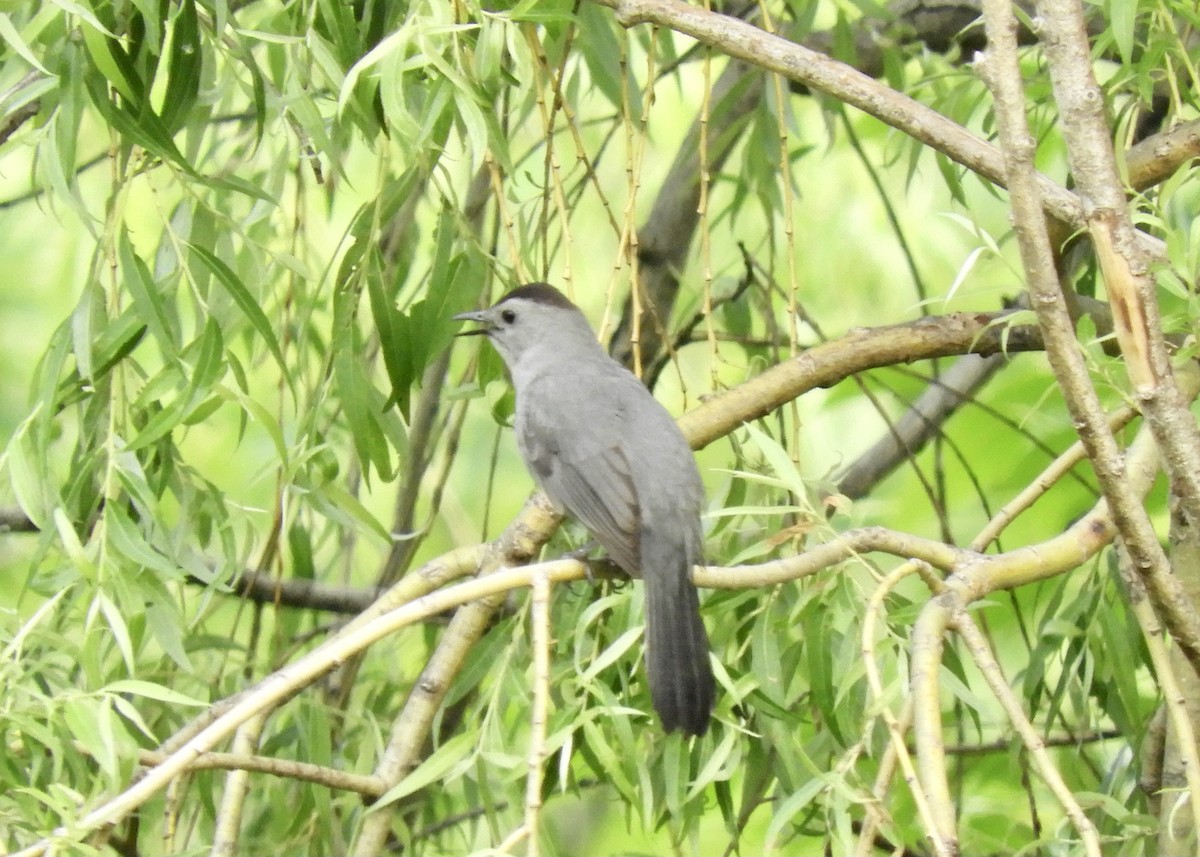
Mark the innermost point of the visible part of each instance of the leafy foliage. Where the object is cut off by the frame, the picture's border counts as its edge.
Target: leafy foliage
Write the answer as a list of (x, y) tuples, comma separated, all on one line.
[(236, 235)]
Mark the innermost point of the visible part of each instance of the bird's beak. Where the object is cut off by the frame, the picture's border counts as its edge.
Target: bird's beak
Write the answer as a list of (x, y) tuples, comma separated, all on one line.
[(476, 316)]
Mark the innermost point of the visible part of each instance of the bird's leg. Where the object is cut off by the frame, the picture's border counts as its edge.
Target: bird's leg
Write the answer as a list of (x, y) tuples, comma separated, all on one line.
[(581, 555), (603, 564)]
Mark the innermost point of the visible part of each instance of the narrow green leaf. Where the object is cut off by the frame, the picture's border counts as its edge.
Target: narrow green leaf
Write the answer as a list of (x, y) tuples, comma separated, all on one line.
[(602, 53), (25, 467), (147, 298), (83, 333), (159, 425), (85, 13), (113, 64), (777, 459), (395, 336), (203, 411), (117, 342), (544, 12), (246, 302), (83, 716), (1122, 24), (210, 363), (437, 768), (266, 420), (784, 813), (610, 655), (258, 87), (183, 80), (150, 690), (300, 547), (167, 627), (9, 34), (353, 388), (127, 541), (120, 630), (71, 545), (713, 772), (145, 130), (237, 185), (340, 503), (766, 660), (126, 709)]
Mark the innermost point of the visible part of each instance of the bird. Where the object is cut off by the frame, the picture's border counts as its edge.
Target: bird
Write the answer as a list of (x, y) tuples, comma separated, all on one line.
[(606, 452)]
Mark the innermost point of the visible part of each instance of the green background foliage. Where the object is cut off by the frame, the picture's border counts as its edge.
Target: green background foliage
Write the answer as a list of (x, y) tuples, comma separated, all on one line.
[(234, 235)]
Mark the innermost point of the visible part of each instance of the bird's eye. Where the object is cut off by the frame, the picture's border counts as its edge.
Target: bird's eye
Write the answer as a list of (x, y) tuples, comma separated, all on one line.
[(509, 316)]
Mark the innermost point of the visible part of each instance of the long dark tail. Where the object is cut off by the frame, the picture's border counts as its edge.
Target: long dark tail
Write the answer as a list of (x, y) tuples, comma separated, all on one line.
[(681, 680)]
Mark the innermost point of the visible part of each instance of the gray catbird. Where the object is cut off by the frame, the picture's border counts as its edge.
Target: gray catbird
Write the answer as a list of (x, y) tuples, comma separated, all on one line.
[(609, 454)]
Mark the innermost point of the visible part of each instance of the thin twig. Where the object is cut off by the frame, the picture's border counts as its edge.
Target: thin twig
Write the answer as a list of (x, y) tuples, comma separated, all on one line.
[(540, 621), (977, 644)]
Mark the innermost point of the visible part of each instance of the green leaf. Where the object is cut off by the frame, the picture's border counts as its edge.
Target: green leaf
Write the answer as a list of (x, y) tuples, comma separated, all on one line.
[(147, 298), (258, 87), (1122, 26), (300, 547), (167, 628), (150, 690), (72, 546), (718, 765), (778, 459), (120, 630), (208, 369), (611, 654), (25, 467), (246, 302), (85, 718), (395, 335), (16, 40), (125, 538), (145, 130), (456, 752), (185, 65), (543, 12), (110, 60), (785, 812), (602, 52), (354, 389), (341, 504)]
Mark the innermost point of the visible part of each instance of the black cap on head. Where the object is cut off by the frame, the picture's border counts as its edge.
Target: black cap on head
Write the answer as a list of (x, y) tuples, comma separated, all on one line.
[(542, 293)]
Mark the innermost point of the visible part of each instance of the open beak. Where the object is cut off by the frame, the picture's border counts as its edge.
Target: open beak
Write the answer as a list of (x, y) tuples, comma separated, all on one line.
[(476, 316)]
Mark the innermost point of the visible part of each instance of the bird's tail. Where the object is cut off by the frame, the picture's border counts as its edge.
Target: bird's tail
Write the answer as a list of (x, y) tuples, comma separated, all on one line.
[(681, 680)]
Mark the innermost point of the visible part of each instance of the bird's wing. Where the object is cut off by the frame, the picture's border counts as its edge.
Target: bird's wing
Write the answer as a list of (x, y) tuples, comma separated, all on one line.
[(595, 485)]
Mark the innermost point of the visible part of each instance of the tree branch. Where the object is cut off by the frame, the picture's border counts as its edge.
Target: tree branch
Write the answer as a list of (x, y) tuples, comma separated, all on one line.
[(920, 423), (858, 350), (750, 44), (1126, 268)]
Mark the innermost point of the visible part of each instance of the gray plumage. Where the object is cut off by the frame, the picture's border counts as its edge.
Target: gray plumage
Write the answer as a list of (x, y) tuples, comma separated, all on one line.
[(605, 451)]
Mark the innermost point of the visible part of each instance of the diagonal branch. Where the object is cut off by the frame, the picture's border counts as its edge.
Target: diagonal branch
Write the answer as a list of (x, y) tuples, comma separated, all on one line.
[(748, 43), (1126, 268)]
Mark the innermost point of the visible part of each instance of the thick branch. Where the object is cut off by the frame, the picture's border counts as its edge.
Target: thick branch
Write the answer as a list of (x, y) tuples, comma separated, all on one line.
[(859, 350), (748, 43), (1002, 75), (1126, 269)]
